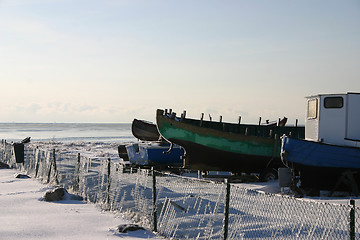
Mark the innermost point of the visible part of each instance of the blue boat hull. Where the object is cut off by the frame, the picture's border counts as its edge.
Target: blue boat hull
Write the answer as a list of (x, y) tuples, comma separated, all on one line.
[(152, 154), (321, 166), (316, 154)]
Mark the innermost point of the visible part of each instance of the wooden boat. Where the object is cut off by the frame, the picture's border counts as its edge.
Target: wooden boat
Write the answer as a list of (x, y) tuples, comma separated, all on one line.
[(330, 152), (154, 154), (144, 130), (225, 146)]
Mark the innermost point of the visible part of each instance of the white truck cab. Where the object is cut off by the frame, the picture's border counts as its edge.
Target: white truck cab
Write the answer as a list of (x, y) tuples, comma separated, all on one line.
[(333, 119)]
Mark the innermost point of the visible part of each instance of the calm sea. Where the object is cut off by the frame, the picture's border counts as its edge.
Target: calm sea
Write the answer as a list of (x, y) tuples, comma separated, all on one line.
[(67, 132)]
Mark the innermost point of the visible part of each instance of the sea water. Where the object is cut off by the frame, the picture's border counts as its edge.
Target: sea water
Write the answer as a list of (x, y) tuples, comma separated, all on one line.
[(67, 132)]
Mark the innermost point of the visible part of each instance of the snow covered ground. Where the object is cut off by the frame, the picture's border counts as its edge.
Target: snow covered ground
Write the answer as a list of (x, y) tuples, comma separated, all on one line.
[(24, 215), (109, 150)]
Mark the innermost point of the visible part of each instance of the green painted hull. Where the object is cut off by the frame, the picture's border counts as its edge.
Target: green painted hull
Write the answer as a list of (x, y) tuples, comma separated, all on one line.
[(224, 146), (219, 140)]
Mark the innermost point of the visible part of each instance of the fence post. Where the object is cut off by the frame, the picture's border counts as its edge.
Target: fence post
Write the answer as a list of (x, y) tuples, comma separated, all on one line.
[(227, 206), (54, 167), (36, 161), (108, 183), (49, 173), (154, 199), (352, 219), (78, 173), (2, 150)]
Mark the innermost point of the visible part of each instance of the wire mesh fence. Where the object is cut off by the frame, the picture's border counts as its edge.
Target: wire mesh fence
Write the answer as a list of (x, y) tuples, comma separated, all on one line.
[(188, 208)]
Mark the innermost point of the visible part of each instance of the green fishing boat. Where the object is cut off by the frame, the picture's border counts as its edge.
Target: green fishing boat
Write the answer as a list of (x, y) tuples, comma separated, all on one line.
[(221, 146)]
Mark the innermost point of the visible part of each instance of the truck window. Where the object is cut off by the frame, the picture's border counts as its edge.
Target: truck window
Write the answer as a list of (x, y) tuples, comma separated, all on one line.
[(333, 102), (312, 108)]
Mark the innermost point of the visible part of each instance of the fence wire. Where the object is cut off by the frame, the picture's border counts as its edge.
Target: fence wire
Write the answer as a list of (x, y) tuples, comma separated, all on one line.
[(188, 208), (268, 216)]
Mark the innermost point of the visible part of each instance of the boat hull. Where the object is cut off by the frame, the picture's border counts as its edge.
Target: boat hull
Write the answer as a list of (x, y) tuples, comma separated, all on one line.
[(223, 146), (144, 130), (205, 158), (316, 154), (322, 166), (152, 154)]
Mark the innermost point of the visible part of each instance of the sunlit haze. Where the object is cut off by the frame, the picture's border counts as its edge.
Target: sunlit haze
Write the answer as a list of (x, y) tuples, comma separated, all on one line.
[(114, 60)]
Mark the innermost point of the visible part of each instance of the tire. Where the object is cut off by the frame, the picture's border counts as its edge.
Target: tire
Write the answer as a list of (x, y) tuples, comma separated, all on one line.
[(268, 174)]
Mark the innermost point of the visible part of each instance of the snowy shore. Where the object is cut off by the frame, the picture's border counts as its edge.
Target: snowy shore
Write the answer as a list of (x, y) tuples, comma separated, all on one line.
[(106, 150), (24, 215)]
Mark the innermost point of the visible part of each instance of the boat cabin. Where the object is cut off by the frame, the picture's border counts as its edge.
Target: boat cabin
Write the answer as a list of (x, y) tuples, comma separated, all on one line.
[(334, 119)]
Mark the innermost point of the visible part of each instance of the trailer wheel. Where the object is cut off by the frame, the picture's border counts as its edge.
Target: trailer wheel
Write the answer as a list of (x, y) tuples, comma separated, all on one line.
[(268, 175)]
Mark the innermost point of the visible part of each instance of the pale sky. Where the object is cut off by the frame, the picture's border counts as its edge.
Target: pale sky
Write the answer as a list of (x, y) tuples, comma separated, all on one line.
[(115, 60)]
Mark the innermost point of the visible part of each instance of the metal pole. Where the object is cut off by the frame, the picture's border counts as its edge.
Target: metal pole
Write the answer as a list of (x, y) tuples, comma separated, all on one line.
[(227, 206), (352, 220), (154, 200)]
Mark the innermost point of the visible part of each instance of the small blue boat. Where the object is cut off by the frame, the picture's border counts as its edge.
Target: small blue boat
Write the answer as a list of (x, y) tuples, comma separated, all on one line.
[(155, 154)]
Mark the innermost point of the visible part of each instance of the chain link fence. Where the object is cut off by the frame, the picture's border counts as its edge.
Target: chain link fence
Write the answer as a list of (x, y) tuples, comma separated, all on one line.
[(188, 208)]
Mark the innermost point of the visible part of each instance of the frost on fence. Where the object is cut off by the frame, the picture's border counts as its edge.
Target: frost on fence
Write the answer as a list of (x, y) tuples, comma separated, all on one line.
[(131, 193), (189, 208), (71, 170), (255, 214), (87, 178), (357, 223), (6, 152)]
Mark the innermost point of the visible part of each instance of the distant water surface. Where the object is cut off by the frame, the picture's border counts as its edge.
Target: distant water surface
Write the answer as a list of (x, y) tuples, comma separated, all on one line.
[(67, 132)]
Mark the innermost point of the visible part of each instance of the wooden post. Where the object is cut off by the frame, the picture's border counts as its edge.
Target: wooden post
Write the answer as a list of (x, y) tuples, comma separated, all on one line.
[(52, 167), (2, 150), (154, 199), (227, 206), (37, 161), (183, 115), (55, 170), (78, 173), (352, 219), (108, 181), (48, 177)]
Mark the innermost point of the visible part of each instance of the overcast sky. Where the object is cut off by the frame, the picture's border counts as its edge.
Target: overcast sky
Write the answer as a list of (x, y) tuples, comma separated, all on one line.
[(115, 60)]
